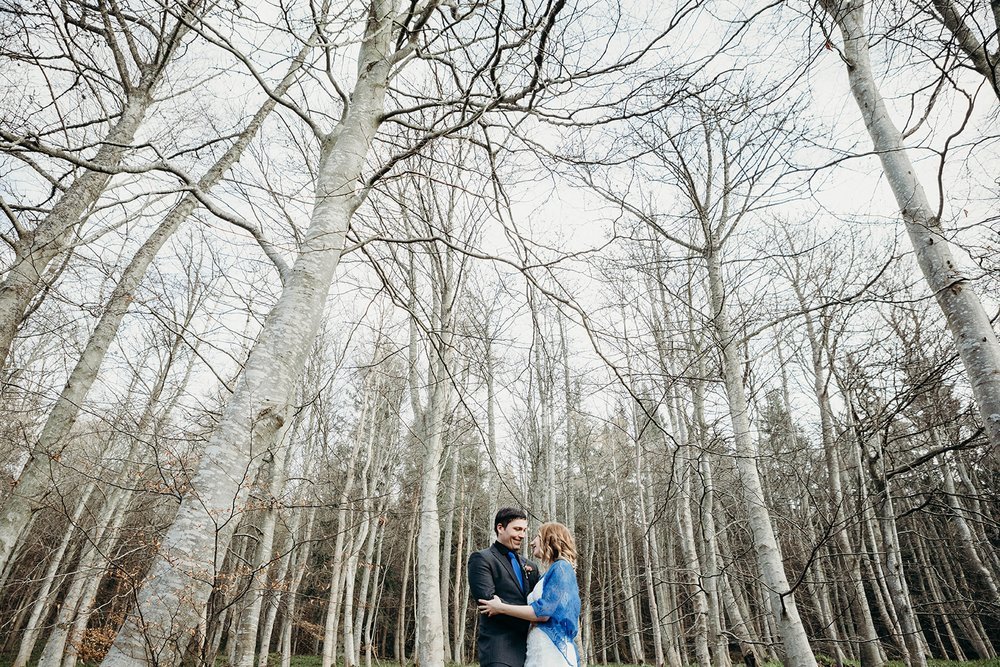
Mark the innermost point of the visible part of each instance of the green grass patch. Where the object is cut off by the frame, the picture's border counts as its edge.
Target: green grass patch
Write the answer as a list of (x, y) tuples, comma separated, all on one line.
[(950, 663)]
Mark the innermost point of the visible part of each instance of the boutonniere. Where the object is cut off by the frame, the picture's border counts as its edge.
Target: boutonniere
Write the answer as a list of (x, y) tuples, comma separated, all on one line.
[(528, 568)]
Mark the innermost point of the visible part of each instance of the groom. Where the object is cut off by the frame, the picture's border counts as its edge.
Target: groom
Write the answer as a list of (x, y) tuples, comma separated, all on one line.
[(499, 570)]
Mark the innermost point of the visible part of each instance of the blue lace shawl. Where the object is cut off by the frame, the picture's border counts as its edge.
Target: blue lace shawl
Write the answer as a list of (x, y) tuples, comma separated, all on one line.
[(560, 602)]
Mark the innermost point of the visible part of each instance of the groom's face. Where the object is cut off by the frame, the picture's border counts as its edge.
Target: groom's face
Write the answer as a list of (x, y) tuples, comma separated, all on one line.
[(512, 534)]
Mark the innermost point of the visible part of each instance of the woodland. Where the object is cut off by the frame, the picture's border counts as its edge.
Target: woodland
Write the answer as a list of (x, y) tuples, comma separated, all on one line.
[(294, 294)]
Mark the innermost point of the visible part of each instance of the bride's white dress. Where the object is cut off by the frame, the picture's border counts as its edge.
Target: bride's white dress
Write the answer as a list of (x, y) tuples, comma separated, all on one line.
[(541, 651)]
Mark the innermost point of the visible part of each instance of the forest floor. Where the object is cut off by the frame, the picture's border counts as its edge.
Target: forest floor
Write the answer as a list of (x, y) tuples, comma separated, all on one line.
[(6, 660), (316, 661)]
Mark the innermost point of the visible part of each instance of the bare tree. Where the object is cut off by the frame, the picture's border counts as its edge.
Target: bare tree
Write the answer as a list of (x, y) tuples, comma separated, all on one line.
[(975, 338)]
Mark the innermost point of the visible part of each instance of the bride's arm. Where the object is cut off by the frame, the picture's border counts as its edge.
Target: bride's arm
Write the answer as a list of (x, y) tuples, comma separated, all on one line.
[(497, 606)]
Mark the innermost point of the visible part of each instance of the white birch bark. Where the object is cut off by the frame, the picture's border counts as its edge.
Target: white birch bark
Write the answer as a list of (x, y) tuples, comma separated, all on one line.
[(706, 597), (54, 235), (968, 322), (25, 279), (491, 419), (781, 600), (249, 621), (943, 616), (446, 545), (179, 582), (78, 605), (713, 574), (892, 564), (818, 583), (459, 604), (609, 635), (83, 588), (331, 626), (374, 603), (967, 541), (744, 636), (400, 646), (867, 635), (366, 609), (570, 418), (649, 539), (274, 603), (43, 599), (430, 615), (692, 564), (35, 479), (626, 580), (973, 40), (351, 630), (19, 545), (875, 573), (351, 649), (588, 654), (979, 517), (964, 619), (298, 571)]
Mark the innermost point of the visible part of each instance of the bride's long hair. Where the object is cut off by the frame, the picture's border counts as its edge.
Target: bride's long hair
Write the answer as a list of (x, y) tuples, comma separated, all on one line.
[(557, 542)]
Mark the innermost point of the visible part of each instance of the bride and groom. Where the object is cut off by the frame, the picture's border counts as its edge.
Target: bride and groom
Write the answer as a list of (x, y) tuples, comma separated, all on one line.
[(528, 619)]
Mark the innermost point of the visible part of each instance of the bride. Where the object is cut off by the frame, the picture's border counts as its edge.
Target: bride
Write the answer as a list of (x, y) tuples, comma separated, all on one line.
[(554, 604)]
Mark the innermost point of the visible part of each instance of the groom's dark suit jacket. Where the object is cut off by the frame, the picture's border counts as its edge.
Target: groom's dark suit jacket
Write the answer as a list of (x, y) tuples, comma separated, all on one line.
[(502, 638)]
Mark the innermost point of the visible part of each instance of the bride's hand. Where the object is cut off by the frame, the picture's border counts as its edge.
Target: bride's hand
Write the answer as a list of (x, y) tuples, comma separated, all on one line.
[(490, 607)]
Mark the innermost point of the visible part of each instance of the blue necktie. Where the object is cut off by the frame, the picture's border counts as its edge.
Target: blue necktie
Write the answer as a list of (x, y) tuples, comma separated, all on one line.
[(517, 568)]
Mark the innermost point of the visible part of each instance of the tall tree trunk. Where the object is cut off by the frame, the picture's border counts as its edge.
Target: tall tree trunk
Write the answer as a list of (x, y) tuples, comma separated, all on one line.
[(819, 582), (372, 535), (375, 601), (459, 603), (781, 599), (913, 641), (608, 635), (988, 586), (692, 564), (860, 611), (260, 408), (249, 621), (647, 431), (744, 636), (446, 546), (45, 596), (276, 591), (291, 607), (35, 479), (430, 621), (400, 645), (935, 593), (968, 322), (588, 654), (331, 626), (571, 409), (25, 279), (713, 572), (83, 588), (627, 580), (52, 237)]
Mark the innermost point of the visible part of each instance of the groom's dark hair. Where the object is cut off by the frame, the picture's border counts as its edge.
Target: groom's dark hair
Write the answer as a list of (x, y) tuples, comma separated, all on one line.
[(507, 514)]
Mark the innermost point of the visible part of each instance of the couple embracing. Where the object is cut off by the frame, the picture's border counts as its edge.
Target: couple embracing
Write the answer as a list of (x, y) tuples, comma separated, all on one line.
[(528, 619)]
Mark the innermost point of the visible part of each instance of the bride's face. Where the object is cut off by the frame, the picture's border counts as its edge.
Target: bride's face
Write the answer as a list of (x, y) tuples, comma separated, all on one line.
[(536, 546)]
